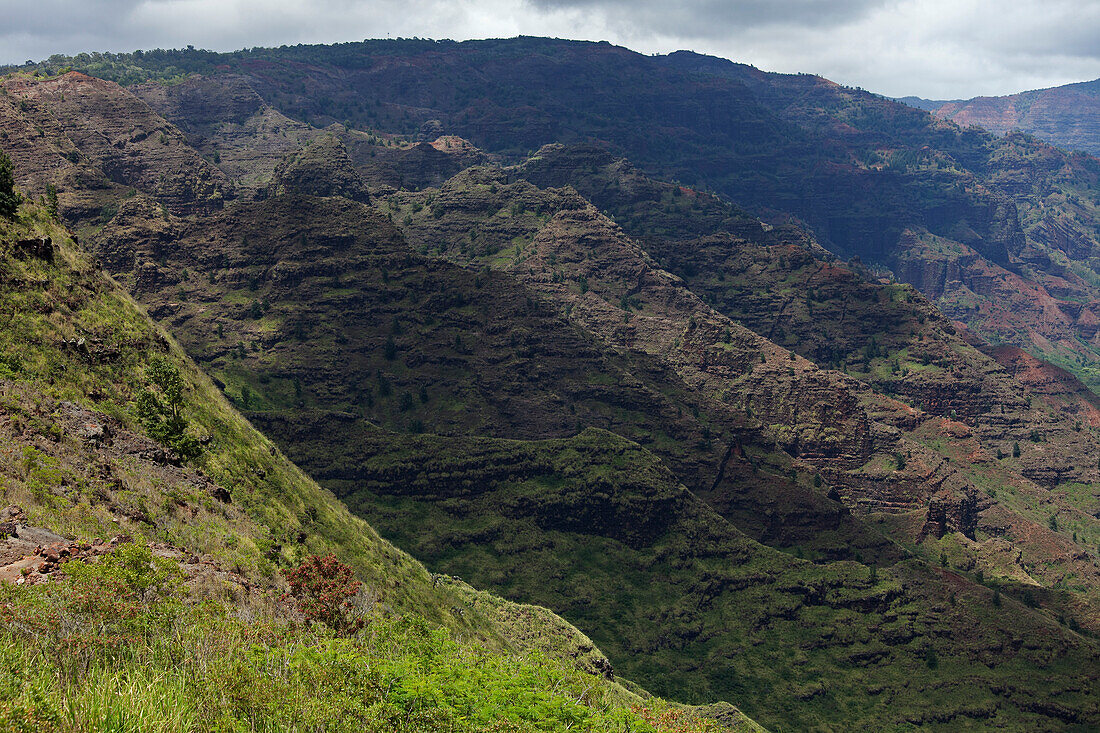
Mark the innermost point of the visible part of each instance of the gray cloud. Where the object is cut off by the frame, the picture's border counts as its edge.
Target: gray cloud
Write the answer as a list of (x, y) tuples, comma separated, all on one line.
[(719, 18), (934, 48)]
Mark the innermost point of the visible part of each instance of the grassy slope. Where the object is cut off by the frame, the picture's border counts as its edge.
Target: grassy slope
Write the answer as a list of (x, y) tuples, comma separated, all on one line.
[(276, 517)]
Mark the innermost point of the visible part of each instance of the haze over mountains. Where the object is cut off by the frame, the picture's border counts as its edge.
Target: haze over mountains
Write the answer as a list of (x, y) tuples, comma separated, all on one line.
[(780, 392)]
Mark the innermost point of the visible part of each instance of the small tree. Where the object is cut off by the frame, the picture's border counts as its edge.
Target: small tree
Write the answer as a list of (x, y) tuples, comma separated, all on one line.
[(160, 406), (322, 588), (51, 202), (9, 199)]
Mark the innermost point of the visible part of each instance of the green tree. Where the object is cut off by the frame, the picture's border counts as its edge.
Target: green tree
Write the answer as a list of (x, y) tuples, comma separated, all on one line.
[(51, 201), (160, 407), (9, 199)]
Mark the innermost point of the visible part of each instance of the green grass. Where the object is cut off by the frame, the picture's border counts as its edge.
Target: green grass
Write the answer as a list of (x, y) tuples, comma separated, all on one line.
[(99, 652)]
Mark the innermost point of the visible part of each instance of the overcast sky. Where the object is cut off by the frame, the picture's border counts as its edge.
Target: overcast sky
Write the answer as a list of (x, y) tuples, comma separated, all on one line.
[(932, 48)]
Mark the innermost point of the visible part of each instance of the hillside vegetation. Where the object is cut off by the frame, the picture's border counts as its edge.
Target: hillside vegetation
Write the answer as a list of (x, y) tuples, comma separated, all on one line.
[(743, 374)]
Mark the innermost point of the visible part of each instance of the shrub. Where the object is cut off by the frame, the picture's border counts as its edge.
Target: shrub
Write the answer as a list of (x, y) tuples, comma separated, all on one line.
[(129, 571), (322, 589), (664, 717)]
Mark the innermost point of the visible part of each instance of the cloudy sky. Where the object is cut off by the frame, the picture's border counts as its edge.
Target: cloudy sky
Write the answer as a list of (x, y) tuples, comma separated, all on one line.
[(932, 48)]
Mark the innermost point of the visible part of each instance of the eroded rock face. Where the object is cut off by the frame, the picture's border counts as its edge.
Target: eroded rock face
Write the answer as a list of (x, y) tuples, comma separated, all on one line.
[(1054, 383), (1064, 115), (586, 265), (630, 303), (951, 513), (122, 137), (197, 105), (778, 283)]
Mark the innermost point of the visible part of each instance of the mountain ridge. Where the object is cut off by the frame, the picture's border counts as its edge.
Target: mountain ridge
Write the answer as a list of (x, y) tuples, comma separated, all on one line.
[(1063, 115)]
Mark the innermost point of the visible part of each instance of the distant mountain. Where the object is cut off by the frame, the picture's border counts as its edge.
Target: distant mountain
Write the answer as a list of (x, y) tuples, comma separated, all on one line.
[(1067, 116), (928, 105), (973, 220)]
